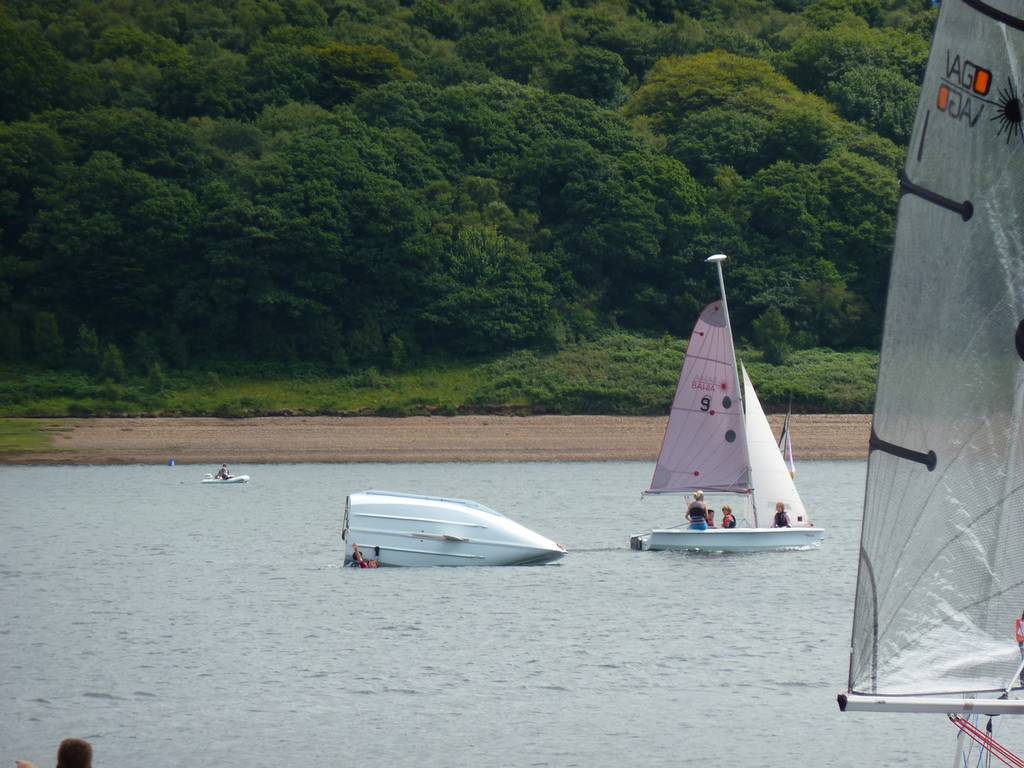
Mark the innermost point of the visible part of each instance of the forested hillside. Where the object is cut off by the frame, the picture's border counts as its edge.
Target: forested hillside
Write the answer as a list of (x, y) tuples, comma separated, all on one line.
[(354, 183)]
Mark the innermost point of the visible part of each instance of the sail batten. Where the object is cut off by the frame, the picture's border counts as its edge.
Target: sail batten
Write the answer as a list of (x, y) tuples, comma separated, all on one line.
[(942, 542)]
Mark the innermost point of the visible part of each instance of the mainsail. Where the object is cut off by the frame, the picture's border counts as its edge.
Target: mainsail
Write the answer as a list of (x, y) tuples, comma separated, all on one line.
[(941, 575), (705, 444), (768, 472)]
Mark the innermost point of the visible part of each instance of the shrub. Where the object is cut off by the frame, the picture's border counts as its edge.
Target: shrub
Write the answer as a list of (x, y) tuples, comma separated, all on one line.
[(10, 339), (771, 331), (156, 380), (46, 339), (112, 364), (87, 350)]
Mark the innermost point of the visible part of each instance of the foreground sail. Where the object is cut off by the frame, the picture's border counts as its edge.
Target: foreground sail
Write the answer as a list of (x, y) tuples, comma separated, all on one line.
[(941, 577), (711, 445)]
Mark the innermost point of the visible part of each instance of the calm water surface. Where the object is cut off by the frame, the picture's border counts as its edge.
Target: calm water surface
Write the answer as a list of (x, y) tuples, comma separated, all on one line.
[(171, 623)]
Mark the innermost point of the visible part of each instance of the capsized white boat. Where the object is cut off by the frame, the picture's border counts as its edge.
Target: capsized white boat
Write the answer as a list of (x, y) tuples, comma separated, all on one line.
[(209, 479), (712, 445), (940, 588), (410, 530)]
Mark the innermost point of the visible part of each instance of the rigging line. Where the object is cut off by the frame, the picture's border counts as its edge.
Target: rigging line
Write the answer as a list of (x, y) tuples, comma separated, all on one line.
[(987, 741), (965, 209), (996, 14)]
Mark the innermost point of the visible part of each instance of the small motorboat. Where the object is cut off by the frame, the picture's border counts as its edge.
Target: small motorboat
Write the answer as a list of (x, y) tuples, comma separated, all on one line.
[(212, 480), (409, 530)]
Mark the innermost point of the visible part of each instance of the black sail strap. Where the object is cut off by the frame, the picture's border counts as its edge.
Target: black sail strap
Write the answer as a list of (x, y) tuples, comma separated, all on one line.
[(928, 459), (996, 14), (907, 187)]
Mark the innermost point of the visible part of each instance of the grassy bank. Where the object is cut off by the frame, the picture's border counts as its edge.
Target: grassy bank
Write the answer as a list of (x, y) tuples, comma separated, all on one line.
[(618, 374), (24, 435)]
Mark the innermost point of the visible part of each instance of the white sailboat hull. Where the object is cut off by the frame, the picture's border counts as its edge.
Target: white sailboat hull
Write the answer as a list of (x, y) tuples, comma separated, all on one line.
[(729, 539), (211, 480), (407, 530)]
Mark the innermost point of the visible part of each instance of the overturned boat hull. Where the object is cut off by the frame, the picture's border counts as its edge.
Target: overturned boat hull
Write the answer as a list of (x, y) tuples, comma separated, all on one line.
[(409, 530), (728, 539)]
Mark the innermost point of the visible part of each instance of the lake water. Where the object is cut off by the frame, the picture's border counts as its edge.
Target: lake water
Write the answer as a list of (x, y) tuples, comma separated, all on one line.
[(172, 623)]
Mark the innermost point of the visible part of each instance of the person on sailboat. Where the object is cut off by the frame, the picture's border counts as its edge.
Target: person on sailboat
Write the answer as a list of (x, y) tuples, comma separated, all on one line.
[(697, 512), (781, 518), (728, 521), (711, 518)]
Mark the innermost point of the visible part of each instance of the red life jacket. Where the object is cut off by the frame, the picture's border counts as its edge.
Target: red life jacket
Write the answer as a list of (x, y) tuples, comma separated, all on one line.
[(1018, 627)]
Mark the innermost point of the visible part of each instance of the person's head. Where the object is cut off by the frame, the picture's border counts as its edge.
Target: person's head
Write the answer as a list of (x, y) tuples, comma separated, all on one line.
[(74, 753), (726, 510), (780, 507), (223, 466), (698, 495)]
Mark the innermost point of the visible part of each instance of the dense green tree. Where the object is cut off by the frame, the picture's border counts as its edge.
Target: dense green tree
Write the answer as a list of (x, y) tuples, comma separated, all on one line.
[(112, 366), (348, 70), (821, 58), (34, 75), (110, 242), (489, 296), (87, 349), (771, 332), (878, 98), (47, 342), (593, 73), (10, 339), (368, 182)]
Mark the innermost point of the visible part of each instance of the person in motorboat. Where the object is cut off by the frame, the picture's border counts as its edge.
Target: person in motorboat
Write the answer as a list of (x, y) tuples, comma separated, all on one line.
[(728, 521), (223, 473), (781, 517), (697, 512)]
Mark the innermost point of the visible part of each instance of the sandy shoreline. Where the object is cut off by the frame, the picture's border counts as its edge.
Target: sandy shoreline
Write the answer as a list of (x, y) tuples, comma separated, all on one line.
[(363, 439)]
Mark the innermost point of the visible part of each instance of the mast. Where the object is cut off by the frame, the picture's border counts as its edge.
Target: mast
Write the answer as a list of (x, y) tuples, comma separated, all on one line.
[(705, 443), (717, 260)]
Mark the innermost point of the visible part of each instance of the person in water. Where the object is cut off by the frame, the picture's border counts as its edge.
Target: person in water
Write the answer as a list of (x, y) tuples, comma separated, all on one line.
[(223, 473), (781, 518), (697, 512), (358, 561), (728, 521)]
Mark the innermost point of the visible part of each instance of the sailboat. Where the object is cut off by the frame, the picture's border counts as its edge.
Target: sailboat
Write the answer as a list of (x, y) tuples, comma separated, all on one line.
[(941, 568), (714, 445)]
